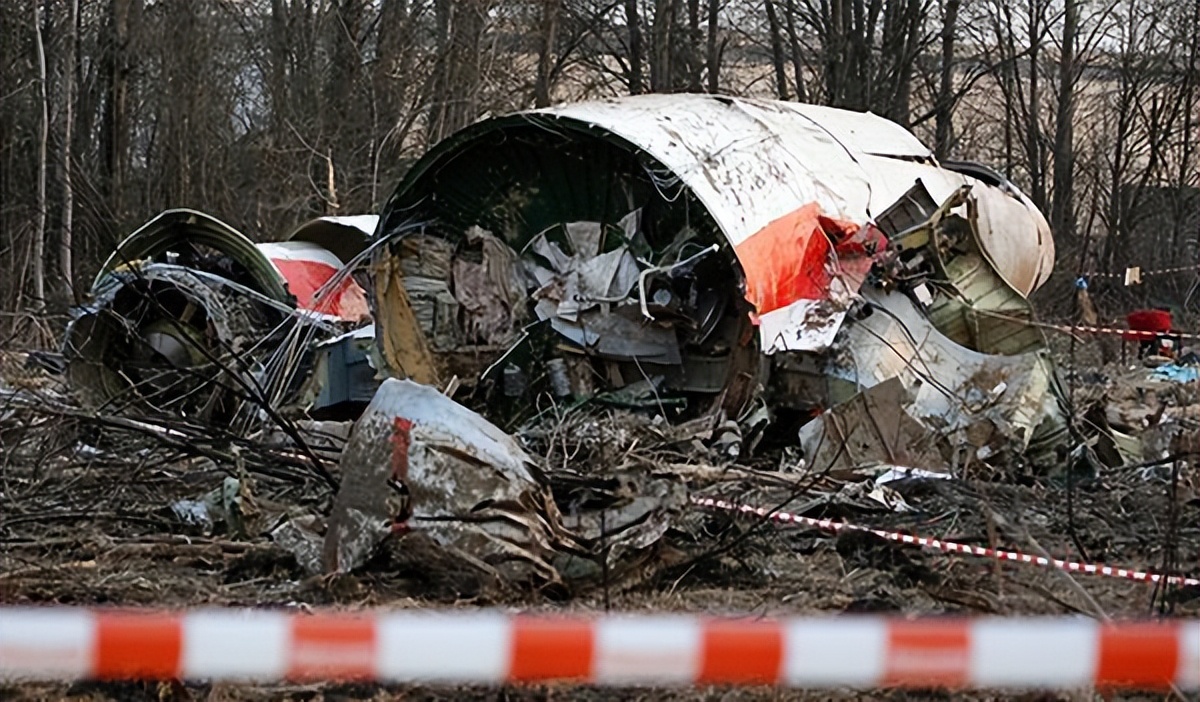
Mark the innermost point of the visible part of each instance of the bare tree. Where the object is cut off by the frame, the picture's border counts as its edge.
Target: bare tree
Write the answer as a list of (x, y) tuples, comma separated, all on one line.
[(551, 10), (663, 67), (66, 237), (39, 234), (868, 51), (1062, 206), (633, 20), (798, 72), (118, 62), (944, 107), (777, 60)]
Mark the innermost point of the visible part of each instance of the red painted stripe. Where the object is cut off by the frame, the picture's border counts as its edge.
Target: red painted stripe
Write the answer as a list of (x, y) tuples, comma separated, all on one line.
[(332, 647), (545, 649), (928, 654), (742, 652), (305, 277), (1141, 655), (789, 259), (137, 646)]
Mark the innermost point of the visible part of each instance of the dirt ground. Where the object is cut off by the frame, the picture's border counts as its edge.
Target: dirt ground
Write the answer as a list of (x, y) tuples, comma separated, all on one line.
[(86, 519)]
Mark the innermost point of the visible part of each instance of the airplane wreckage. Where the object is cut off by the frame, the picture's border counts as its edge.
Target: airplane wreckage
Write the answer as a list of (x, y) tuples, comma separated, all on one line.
[(747, 265)]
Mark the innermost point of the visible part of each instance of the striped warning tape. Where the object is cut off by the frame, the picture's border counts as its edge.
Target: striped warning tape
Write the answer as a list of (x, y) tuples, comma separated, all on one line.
[(948, 546), (1127, 333), (1141, 272), (489, 647), (1130, 334)]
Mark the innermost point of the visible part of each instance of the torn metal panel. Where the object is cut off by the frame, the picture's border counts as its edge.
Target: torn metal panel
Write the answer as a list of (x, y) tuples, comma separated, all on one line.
[(308, 270), (872, 428), (953, 388), (402, 342), (1019, 247), (937, 253), (802, 274), (181, 236), (344, 376), (617, 338), (345, 237), (419, 460)]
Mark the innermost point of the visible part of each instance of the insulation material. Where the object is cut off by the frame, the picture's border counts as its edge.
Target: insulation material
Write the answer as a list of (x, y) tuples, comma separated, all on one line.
[(491, 291)]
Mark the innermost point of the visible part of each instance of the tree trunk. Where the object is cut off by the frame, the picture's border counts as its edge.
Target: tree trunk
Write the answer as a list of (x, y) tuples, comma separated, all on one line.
[(662, 65), (66, 239), (1062, 208), (550, 13), (944, 127), (115, 133), (1033, 136), (781, 86), (633, 19), (456, 92), (714, 51), (695, 37), (39, 234), (794, 42)]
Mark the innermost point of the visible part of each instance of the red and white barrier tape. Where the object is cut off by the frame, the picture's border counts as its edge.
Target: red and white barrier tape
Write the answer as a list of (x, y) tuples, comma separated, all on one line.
[(1129, 334), (1142, 273), (1126, 333), (488, 647), (948, 546)]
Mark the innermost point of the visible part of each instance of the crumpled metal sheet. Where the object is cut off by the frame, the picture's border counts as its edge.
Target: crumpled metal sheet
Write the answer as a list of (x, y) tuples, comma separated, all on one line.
[(173, 227), (752, 161), (872, 428), (953, 388), (308, 268), (418, 460), (96, 378), (344, 236), (241, 298)]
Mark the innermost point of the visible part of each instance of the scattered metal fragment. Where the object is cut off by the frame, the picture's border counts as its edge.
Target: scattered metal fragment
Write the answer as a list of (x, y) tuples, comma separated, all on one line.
[(418, 459), (871, 428)]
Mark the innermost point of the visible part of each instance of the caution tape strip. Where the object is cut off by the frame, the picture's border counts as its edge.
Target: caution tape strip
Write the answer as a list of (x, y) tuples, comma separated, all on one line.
[(948, 546), (1142, 273), (1126, 333), (490, 647), (1131, 334)]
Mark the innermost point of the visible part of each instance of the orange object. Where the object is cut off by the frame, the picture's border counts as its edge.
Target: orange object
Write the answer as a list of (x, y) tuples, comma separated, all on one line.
[(789, 259), (543, 648), (326, 646)]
